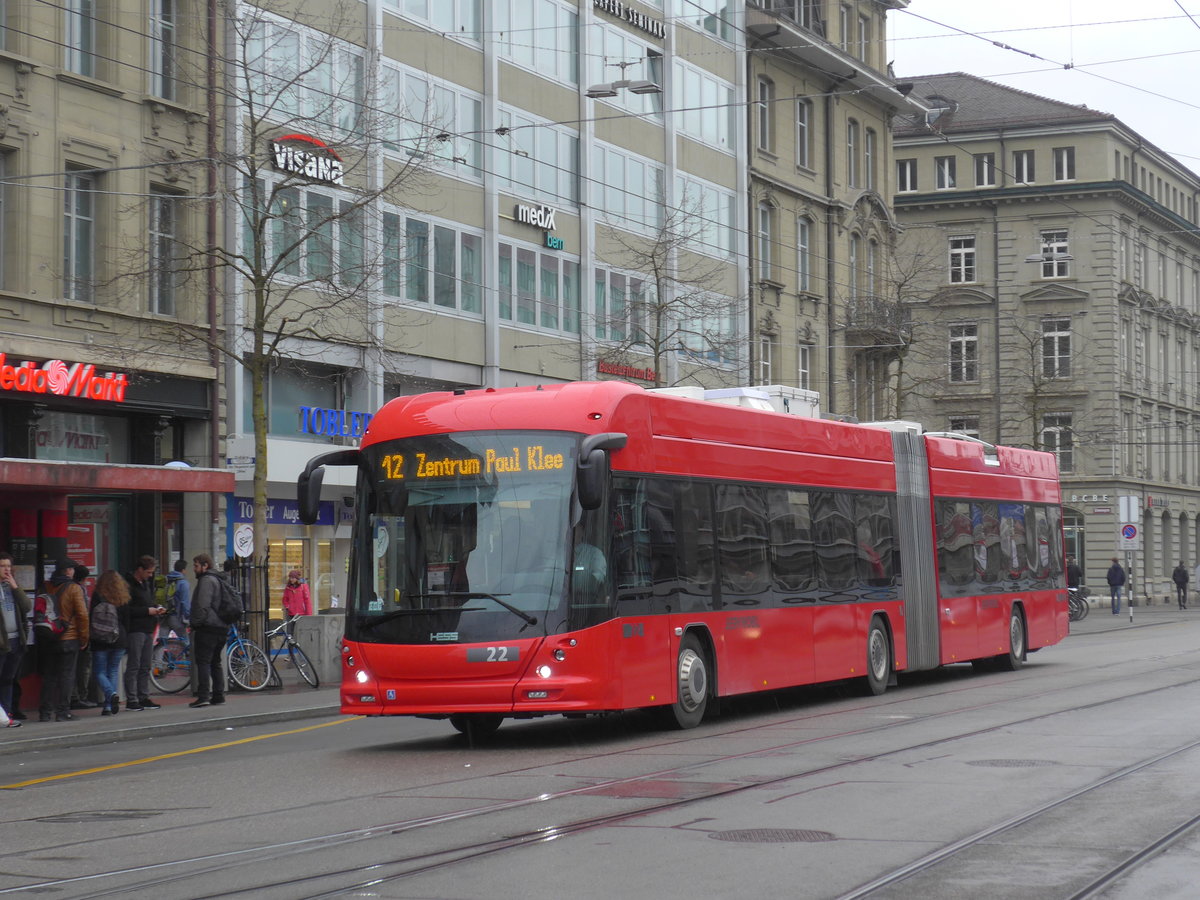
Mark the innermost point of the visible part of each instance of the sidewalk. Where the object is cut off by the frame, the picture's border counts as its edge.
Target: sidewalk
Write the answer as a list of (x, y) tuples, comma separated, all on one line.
[(292, 702), (1101, 617)]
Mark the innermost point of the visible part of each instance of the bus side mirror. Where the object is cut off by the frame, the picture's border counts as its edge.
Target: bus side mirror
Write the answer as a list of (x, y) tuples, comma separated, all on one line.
[(592, 477), (308, 485)]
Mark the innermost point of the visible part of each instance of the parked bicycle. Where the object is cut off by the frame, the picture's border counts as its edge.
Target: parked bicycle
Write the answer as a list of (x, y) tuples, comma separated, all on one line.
[(1077, 604), (291, 650), (246, 665), (170, 665)]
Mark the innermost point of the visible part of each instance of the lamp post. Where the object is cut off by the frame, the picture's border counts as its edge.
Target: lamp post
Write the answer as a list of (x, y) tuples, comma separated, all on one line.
[(634, 86)]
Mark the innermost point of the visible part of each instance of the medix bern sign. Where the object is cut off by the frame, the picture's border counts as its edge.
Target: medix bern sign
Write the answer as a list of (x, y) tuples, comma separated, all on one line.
[(324, 165), (56, 377)]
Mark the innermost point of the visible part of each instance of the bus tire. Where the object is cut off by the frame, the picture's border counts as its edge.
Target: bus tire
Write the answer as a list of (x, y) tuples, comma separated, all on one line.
[(879, 657), (476, 725), (1015, 657), (691, 685)]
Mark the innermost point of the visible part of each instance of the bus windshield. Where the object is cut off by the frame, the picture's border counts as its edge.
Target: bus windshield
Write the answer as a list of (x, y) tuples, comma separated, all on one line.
[(463, 538)]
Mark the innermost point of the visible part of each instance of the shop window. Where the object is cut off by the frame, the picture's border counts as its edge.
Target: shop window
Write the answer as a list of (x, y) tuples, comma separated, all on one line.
[(81, 437), (291, 386)]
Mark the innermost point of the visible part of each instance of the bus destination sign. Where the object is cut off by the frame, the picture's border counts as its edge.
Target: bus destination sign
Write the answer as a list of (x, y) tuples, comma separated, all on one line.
[(418, 465)]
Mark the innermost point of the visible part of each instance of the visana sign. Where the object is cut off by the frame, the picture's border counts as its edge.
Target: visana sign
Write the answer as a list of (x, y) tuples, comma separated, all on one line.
[(324, 166), (539, 216), (56, 377)]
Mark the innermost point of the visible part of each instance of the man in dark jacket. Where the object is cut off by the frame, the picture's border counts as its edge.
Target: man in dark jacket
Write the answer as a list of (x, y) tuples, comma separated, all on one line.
[(208, 634), (1116, 580), (1180, 577), (14, 609), (57, 655), (144, 613)]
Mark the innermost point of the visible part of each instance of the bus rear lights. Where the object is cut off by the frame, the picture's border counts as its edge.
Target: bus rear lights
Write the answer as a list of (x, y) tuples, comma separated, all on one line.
[(544, 671), (560, 655)]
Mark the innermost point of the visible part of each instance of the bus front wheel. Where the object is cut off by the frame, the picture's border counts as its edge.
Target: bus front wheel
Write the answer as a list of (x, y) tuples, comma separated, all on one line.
[(691, 685)]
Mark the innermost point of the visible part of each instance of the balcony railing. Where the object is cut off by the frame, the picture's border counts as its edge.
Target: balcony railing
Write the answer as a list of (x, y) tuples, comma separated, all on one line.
[(805, 13)]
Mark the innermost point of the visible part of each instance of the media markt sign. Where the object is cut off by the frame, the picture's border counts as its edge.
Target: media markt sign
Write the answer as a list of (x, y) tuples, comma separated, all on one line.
[(299, 154), (64, 379)]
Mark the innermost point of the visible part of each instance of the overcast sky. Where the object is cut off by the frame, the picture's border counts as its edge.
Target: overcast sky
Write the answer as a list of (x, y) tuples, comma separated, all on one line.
[(1139, 61)]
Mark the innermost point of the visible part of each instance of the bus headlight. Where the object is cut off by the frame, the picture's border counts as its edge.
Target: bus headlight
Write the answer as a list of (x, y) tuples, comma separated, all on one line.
[(361, 676), (544, 672)]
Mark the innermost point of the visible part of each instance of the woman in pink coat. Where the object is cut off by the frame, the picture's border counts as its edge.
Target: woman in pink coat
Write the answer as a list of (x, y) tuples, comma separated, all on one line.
[(296, 600)]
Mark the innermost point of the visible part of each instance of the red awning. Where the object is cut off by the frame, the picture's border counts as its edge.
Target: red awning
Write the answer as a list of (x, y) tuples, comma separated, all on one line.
[(80, 477)]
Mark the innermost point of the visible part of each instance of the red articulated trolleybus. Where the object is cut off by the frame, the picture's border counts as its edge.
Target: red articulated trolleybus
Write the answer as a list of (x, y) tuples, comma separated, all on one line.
[(593, 547)]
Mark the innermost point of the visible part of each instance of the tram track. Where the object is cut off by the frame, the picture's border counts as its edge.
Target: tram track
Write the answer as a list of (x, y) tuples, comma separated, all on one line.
[(161, 875)]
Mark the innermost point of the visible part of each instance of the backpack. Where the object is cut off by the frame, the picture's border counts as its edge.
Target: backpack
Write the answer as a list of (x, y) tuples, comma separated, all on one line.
[(228, 603), (105, 628), (164, 593), (48, 625)]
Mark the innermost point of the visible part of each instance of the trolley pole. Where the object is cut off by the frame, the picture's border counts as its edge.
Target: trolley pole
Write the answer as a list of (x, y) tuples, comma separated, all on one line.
[(1129, 539)]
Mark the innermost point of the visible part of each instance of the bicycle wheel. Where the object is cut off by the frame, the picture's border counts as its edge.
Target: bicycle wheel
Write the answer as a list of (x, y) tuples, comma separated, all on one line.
[(170, 666), (306, 669), (246, 665)]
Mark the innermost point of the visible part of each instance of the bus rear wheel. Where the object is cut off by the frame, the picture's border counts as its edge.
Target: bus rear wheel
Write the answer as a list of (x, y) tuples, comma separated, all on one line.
[(691, 685), (879, 658), (1015, 657), (476, 725)]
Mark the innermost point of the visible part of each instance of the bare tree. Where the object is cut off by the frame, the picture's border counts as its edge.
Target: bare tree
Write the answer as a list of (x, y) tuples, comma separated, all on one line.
[(310, 146), (677, 303)]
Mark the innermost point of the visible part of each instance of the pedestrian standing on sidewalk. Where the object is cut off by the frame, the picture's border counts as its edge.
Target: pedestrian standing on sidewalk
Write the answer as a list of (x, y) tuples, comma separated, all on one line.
[(208, 634), (296, 599), (1180, 577), (81, 695), (15, 606), (144, 615), (179, 609), (1116, 580), (108, 651), (57, 653)]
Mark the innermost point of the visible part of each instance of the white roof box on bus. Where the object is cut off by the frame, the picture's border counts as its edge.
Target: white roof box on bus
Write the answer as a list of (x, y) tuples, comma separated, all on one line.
[(898, 425), (691, 391), (750, 398), (792, 400)]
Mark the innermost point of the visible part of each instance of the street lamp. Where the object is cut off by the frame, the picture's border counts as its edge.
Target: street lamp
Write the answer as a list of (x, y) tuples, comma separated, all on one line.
[(634, 86)]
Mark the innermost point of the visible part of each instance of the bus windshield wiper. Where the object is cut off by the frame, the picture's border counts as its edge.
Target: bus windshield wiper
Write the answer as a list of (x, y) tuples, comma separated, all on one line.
[(483, 595)]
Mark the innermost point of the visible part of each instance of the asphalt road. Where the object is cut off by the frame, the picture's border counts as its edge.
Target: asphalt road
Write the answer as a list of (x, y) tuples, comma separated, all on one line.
[(1038, 783)]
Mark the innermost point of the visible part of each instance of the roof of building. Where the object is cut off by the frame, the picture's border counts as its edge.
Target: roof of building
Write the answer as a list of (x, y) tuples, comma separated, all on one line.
[(972, 103)]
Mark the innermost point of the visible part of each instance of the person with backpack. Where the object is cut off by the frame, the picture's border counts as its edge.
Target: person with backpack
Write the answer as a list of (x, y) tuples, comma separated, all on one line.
[(85, 684), (210, 628), (15, 606), (178, 603), (109, 629), (60, 621), (144, 615)]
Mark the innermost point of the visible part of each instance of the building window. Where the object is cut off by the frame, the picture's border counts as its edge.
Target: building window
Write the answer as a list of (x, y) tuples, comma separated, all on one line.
[(1064, 163), (80, 36), (1057, 438), (611, 45), (985, 170), (803, 254), (766, 114), (79, 224), (945, 173), (713, 16), (964, 353), (628, 189), (162, 48), (1056, 348), (164, 253), (705, 105), (853, 267), (440, 263), (804, 133), (766, 240), (870, 151), (962, 259), (906, 176), (853, 163), (864, 37), (461, 19), (804, 366), (423, 109), (541, 37), (968, 425), (1023, 166), (547, 289), (1054, 248), (710, 210), (293, 385), (766, 359)]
